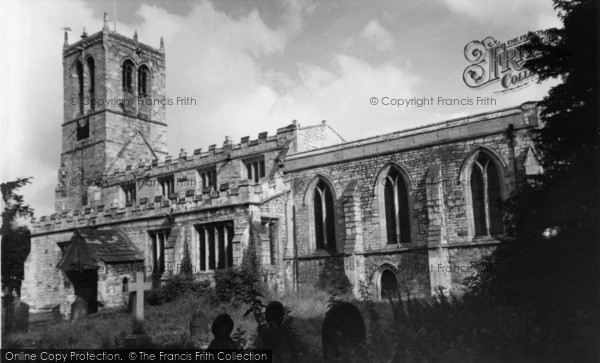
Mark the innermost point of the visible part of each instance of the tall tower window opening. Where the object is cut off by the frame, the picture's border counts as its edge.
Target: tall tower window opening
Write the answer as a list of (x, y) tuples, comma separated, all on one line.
[(128, 76), (79, 67), (144, 81), (91, 74)]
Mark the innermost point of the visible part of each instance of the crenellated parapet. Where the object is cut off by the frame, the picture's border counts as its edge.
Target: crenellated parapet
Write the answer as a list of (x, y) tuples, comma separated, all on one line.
[(232, 194)]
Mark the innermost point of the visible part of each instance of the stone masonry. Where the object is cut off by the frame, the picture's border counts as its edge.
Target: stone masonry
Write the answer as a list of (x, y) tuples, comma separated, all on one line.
[(115, 173)]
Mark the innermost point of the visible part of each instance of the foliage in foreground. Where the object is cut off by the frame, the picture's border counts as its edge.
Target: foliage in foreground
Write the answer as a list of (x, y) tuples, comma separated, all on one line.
[(15, 238), (549, 272)]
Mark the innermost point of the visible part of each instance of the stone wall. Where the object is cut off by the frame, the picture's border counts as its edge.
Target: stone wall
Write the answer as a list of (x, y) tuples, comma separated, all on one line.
[(434, 161)]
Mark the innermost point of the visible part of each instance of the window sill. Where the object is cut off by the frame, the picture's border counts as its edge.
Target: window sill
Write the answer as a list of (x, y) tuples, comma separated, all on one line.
[(321, 253)]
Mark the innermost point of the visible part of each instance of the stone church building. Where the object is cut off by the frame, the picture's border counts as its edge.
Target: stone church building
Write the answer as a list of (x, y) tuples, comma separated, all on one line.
[(410, 209)]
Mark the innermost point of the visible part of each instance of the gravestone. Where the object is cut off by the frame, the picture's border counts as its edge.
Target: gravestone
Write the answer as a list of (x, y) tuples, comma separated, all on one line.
[(138, 338), (199, 324), (7, 308), (343, 330), (16, 314), (21, 317), (221, 329), (79, 309), (275, 313), (280, 338)]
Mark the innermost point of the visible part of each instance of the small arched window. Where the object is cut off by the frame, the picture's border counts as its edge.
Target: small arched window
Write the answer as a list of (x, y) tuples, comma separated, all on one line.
[(324, 217), (79, 69), (125, 284), (486, 197), (128, 69), (388, 285), (91, 74), (397, 217), (143, 81)]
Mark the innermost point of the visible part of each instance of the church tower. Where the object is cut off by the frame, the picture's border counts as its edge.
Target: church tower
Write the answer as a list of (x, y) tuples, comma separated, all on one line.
[(114, 111)]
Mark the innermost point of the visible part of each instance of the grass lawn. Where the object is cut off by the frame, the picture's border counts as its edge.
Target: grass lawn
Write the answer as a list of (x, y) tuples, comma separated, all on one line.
[(446, 329)]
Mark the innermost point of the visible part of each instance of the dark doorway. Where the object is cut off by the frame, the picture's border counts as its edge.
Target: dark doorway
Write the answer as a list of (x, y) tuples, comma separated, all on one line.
[(389, 284), (85, 285)]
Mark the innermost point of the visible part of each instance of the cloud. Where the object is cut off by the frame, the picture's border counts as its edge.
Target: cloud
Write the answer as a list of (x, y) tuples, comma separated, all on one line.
[(31, 145), (377, 34), (341, 95), (507, 12)]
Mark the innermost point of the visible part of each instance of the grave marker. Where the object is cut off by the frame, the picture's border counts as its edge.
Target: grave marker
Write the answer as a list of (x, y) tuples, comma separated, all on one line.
[(222, 328), (79, 309), (138, 338), (343, 330)]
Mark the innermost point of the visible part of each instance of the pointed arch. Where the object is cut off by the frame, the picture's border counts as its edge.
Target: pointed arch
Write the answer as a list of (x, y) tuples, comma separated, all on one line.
[(393, 189), (320, 198), (91, 73), (128, 71), (144, 81), (386, 280), (483, 176), (80, 84)]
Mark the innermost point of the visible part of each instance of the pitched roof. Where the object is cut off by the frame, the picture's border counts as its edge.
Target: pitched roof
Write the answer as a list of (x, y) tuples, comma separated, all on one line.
[(90, 246)]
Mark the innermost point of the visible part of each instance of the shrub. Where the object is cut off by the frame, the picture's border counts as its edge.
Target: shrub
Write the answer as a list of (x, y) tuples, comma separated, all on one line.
[(176, 287), (236, 284)]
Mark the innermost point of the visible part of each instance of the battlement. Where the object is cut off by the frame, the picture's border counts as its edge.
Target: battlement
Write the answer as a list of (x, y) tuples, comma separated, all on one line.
[(231, 194), (185, 161)]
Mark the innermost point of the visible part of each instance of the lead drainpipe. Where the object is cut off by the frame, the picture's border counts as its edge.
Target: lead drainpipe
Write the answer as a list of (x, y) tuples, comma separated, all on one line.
[(511, 139), (295, 249)]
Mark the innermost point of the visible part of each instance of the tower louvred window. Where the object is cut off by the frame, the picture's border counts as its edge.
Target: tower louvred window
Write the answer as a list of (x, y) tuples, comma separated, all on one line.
[(128, 76)]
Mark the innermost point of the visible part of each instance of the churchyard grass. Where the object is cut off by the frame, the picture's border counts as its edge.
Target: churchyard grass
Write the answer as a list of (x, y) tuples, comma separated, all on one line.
[(422, 330)]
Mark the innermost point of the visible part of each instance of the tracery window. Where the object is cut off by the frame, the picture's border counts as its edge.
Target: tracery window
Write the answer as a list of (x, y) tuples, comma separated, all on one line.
[(396, 208), (486, 197)]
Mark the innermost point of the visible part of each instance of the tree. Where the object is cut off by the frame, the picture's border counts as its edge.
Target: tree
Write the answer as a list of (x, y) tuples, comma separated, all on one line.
[(551, 268), (15, 238)]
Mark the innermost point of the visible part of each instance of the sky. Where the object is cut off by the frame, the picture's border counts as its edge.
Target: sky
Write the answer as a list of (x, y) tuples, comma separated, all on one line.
[(255, 66)]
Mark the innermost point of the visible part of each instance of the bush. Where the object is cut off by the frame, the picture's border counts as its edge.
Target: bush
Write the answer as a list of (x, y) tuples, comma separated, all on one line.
[(233, 285), (176, 287), (236, 284)]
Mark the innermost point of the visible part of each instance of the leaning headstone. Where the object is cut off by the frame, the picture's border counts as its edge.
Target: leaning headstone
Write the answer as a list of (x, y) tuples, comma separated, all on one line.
[(199, 324), (343, 330), (79, 309), (138, 339), (221, 329)]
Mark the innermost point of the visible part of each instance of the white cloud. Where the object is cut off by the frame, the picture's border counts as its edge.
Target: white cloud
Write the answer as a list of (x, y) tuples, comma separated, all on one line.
[(507, 12), (31, 121), (377, 34)]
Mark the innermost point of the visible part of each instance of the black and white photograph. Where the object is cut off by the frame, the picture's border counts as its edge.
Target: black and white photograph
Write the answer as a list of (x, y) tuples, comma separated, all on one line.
[(300, 181)]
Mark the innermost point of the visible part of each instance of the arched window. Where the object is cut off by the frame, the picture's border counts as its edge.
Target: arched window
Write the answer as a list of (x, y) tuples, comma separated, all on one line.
[(79, 68), (125, 284), (395, 195), (389, 284), (486, 197), (324, 216), (91, 74), (128, 69), (143, 81)]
